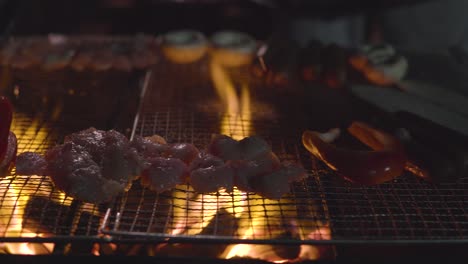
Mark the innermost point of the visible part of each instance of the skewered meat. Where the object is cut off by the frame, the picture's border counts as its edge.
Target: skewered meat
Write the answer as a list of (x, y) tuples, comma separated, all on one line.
[(275, 184), (93, 165), (224, 147), (256, 168), (31, 163), (205, 160), (183, 151), (253, 147), (211, 179), (163, 174), (150, 147), (209, 173), (247, 148), (293, 171), (156, 146), (247, 170)]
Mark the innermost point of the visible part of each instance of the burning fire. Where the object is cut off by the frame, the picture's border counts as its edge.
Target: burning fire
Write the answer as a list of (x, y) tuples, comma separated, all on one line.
[(236, 120)]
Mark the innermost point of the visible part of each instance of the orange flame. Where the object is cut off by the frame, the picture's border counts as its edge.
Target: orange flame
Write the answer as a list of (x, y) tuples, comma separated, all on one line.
[(236, 120), (257, 217)]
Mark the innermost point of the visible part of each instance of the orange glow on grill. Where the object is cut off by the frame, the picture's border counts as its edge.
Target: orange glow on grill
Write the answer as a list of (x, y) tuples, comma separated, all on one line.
[(193, 214)]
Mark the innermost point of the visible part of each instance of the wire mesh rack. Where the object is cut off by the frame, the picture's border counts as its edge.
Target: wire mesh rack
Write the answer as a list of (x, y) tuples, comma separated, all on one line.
[(322, 209)]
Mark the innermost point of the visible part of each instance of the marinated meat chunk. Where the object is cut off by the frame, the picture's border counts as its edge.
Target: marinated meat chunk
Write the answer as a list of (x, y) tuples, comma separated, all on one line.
[(246, 170), (150, 147), (209, 173), (224, 147), (247, 148), (275, 184), (31, 163), (205, 160), (184, 151), (93, 165), (294, 171), (211, 179), (164, 174), (272, 185), (253, 147)]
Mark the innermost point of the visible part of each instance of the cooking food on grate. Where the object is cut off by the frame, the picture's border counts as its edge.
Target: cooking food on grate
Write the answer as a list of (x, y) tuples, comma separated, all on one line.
[(186, 152), (149, 147), (8, 142), (184, 46), (156, 146), (256, 168), (275, 184), (247, 148), (93, 165), (386, 161), (55, 52), (246, 170), (163, 174), (209, 173), (31, 163)]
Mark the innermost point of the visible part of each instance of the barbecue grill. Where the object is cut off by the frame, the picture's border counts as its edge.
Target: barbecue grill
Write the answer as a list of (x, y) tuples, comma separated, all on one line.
[(320, 217)]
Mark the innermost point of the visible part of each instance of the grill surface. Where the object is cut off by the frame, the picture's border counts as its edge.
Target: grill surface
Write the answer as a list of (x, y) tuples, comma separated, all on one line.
[(321, 209)]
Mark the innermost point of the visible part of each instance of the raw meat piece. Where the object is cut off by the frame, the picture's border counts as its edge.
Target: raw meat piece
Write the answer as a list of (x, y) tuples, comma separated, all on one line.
[(93, 165), (164, 174), (246, 170), (211, 179), (184, 151), (224, 147), (205, 160), (31, 163)]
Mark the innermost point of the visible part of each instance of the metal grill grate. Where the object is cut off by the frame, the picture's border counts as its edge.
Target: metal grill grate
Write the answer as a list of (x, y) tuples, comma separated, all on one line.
[(321, 209), (182, 213)]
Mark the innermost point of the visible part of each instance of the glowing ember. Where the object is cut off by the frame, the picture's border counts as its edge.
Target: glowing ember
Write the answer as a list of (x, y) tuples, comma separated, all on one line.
[(193, 214)]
